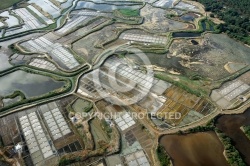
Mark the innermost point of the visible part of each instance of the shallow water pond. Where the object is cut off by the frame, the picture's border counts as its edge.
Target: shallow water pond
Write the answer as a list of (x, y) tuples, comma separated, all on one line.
[(30, 84), (186, 34)]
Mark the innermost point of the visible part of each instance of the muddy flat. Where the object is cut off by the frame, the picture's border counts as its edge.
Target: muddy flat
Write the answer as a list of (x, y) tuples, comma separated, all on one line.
[(200, 149)]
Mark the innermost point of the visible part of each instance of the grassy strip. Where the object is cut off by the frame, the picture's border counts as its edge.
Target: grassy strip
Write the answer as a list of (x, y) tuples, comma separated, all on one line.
[(16, 94), (36, 16), (131, 21), (76, 56), (246, 130), (184, 84), (163, 156), (129, 12), (152, 48)]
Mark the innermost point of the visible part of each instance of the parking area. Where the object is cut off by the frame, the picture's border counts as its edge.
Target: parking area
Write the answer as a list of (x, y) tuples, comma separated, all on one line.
[(63, 57)]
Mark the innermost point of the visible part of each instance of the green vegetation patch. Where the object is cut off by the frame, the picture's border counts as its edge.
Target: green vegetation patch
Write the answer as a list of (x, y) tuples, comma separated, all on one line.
[(8, 3), (106, 127), (246, 130), (36, 16), (163, 156), (235, 14), (82, 106), (130, 12), (208, 25), (195, 87), (232, 154)]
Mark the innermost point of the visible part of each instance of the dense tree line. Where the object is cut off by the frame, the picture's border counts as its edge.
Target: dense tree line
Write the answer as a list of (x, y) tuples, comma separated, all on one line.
[(234, 13), (240, 5), (233, 155), (163, 156)]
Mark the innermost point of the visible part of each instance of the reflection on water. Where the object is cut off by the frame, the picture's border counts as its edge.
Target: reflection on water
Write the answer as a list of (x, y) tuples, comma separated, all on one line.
[(187, 17), (186, 34), (30, 84)]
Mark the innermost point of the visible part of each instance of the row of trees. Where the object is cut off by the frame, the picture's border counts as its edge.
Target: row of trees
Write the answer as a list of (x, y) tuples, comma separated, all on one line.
[(233, 155), (235, 14), (163, 156)]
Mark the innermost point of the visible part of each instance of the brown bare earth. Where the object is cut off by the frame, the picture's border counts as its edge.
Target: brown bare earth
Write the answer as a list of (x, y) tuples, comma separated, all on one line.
[(200, 149)]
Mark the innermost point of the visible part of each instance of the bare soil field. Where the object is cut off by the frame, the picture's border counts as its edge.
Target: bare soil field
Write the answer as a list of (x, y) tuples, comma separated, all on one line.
[(194, 149)]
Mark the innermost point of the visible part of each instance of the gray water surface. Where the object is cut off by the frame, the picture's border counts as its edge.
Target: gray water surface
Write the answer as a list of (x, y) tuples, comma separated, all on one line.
[(30, 84)]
